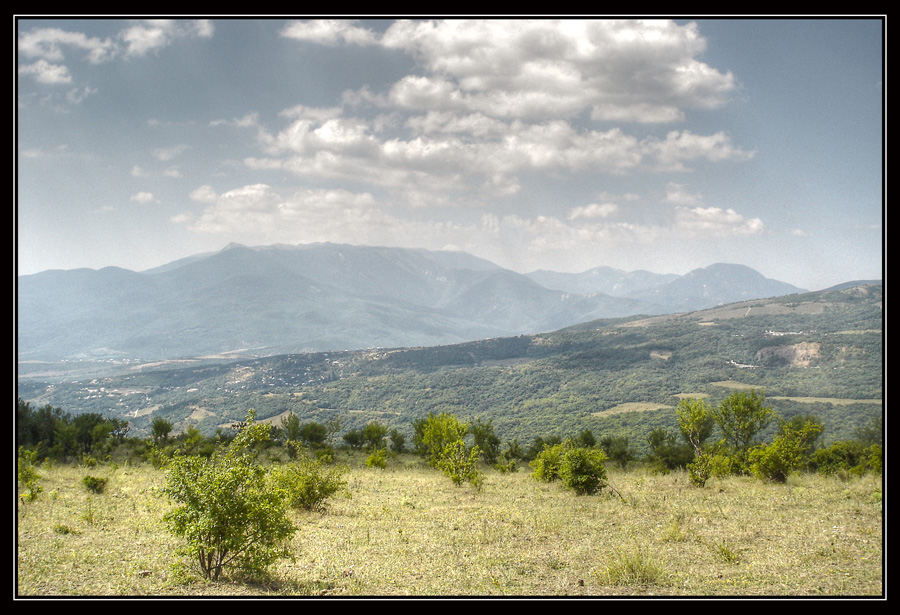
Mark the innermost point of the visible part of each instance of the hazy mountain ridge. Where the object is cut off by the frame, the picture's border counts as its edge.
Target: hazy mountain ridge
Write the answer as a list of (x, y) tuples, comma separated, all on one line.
[(283, 299)]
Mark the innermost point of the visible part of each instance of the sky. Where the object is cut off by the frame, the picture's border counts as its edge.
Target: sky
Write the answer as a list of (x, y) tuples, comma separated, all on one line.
[(659, 145)]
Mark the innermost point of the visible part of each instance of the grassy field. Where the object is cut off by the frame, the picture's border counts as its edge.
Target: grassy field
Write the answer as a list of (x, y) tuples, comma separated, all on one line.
[(408, 531)]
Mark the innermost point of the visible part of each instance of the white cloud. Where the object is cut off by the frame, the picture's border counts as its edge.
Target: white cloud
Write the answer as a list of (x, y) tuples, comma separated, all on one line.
[(716, 222), (46, 73), (328, 32), (50, 46), (594, 210), (640, 71), (154, 34), (681, 146), (166, 154), (497, 101), (204, 194), (678, 194), (259, 213), (142, 197)]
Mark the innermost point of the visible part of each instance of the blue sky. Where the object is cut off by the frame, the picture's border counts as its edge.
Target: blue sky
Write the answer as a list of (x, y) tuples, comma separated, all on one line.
[(538, 144)]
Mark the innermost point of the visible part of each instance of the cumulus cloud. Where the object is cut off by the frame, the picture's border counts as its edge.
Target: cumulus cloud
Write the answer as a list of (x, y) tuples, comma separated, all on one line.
[(497, 100), (716, 222), (329, 32), (48, 44), (46, 73), (639, 71), (678, 147), (51, 48), (153, 34)]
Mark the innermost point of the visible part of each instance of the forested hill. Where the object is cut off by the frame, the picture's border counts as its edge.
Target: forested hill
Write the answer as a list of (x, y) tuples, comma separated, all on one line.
[(818, 353)]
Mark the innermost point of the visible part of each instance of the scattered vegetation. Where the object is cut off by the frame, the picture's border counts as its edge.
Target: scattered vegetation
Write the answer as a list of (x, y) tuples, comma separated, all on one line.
[(719, 494)]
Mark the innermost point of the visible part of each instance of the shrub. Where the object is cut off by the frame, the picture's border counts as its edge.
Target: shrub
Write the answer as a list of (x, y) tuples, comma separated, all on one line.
[(787, 452), (699, 470), (436, 432), (545, 467), (307, 483), (27, 474), (94, 484), (666, 452), (740, 417), (398, 441), (579, 469), (460, 463), (378, 459), (229, 513), (847, 456), (582, 470)]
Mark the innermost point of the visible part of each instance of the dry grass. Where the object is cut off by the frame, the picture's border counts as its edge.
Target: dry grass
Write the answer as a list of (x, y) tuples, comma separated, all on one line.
[(408, 530)]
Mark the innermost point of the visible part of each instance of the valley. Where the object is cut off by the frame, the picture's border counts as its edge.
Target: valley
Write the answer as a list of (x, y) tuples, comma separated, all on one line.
[(619, 376)]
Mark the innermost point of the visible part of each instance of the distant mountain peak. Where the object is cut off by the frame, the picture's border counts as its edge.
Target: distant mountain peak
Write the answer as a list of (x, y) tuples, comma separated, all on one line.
[(282, 299)]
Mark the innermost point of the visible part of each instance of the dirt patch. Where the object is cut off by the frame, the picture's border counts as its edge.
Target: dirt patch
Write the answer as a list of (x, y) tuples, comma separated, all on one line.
[(804, 354)]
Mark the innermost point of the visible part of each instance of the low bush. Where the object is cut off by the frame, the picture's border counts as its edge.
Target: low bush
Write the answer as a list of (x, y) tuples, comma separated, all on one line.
[(308, 483), (580, 469), (229, 512), (94, 484)]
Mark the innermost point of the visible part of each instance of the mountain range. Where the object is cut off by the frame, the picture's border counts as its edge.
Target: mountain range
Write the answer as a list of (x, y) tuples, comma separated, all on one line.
[(280, 299)]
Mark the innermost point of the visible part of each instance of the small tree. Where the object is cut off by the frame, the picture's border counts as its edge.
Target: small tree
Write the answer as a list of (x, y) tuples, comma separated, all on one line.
[(308, 483), (486, 440), (355, 439), (312, 434), (666, 452), (398, 441), (586, 439), (545, 466), (740, 417), (787, 452), (617, 449), (160, 429), (290, 427), (374, 434), (437, 432), (695, 420), (26, 473), (442, 441), (229, 512)]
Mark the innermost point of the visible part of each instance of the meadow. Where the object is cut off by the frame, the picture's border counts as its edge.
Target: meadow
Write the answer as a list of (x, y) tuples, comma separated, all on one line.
[(407, 530)]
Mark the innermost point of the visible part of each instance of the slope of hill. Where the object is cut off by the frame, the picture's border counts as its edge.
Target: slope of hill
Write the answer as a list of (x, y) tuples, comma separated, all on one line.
[(819, 353), (286, 299)]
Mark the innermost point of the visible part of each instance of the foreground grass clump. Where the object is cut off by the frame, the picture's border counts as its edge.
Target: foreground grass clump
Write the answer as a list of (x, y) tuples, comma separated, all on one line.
[(407, 530)]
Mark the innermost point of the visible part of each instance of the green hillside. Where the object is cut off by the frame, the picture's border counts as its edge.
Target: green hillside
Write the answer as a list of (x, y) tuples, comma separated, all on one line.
[(815, 353)]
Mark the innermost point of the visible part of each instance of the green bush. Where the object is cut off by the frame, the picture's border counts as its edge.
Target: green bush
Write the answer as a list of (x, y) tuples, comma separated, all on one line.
[(787, 452), (580, 469), (847, 456), (545, 467), (94, 484), (307, 483), (229, 512), (378, 459), (460, 463), (27, 474), (436, 432)]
